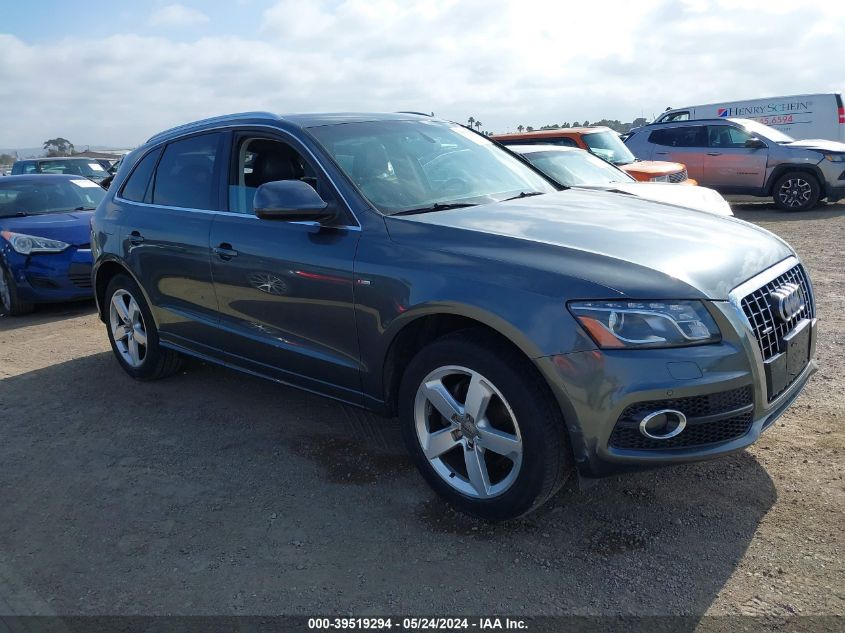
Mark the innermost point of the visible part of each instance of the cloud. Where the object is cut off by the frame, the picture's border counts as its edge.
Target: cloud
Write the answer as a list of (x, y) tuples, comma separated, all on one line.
[(177, 15), (505, 63)]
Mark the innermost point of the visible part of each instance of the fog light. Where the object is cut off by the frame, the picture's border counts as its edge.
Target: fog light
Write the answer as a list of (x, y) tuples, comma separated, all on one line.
[(663, 424)]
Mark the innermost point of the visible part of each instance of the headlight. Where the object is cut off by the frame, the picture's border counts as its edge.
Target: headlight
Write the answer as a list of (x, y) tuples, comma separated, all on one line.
[(659, 179), (28, 244), (639, 324), (835, 158)]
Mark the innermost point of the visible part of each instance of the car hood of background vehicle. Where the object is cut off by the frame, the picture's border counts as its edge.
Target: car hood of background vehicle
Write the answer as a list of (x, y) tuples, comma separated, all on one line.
[(73, 227), (635, 247), (818, 143), (652, 168), (700, 198)]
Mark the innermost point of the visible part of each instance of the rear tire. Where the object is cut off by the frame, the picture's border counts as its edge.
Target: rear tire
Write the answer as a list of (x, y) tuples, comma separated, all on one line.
[(506, 460), (133, 334), (9, 302), (796, 191)]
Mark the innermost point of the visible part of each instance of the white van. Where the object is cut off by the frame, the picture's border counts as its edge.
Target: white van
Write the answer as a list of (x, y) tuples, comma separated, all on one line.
[(819, 116)]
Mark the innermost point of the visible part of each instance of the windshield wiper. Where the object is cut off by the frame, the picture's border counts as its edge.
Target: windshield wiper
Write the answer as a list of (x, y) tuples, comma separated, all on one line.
[(84, 209), (525, 194), (437, 206), (15, 214)]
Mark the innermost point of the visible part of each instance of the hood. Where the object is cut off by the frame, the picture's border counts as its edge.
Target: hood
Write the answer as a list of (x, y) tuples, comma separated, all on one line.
[(691, 197), (634, 247), (651, 168), (818, 143), (73, 227)]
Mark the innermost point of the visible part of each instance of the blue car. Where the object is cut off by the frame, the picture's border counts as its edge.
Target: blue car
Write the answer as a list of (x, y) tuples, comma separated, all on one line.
[(45, 251)]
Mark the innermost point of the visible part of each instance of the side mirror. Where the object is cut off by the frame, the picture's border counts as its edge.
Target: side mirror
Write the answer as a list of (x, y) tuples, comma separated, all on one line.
[(290, 201), (754, 143)]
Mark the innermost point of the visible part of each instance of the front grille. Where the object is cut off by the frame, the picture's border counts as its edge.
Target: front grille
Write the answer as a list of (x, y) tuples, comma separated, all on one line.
[(714, 418), (768, 330), (680, 176)]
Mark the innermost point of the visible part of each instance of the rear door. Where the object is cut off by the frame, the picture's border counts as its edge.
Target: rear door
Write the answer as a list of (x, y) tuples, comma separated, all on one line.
[(729, 164), (285, 288), (685, 145), (167, 206)]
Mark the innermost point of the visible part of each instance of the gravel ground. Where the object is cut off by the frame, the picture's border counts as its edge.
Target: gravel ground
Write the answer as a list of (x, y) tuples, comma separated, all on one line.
[(217, 493)]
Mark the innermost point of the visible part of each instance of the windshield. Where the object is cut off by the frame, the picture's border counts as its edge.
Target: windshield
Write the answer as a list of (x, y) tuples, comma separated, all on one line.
[(74, 166), (406, 165), (576, 167), (609, 146), (29, 197), (758, 129)]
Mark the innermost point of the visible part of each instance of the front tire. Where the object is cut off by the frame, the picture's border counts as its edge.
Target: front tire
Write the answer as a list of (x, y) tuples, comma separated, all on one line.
[(9, 301), (482, 426), (796, 191), (133, 334)]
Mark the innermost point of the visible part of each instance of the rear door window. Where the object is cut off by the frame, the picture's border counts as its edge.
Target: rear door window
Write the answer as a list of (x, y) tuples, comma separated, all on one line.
[(679, 137), (187, 174), (137, 187)]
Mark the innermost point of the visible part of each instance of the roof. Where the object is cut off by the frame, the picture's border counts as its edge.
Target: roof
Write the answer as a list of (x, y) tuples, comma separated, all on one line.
[(41, 177), (541, 147), (299, 120), (738, 121), (556, 132), (49, 158)]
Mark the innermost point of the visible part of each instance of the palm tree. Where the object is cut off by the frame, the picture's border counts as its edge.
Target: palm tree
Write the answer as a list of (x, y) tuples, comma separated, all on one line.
[(478, 125), (519, 128), (471, 120)]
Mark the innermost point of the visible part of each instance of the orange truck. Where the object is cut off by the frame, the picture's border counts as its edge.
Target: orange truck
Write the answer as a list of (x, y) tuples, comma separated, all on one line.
[(606, 144)]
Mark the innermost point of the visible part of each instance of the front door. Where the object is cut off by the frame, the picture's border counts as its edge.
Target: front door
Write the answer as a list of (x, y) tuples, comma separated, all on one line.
[(285, 289), (730, 165)]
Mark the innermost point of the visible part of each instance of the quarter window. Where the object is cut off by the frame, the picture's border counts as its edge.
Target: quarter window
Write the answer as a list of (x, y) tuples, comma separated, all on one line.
[(137, 188), (185, 176)]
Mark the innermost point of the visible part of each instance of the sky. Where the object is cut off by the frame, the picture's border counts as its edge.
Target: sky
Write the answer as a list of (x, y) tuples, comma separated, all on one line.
[(116, 75)]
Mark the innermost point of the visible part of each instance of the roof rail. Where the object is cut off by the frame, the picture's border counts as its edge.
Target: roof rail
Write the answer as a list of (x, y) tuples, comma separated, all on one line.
[(215, 119)]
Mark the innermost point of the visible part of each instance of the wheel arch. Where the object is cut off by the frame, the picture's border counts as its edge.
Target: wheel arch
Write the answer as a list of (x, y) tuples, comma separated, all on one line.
[(104, 272), (408, 335), (811, 169)]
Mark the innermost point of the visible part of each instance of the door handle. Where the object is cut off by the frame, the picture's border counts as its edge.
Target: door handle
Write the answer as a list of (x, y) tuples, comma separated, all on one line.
[(714, 153), (135, 237), (661, 153), (225, 251)]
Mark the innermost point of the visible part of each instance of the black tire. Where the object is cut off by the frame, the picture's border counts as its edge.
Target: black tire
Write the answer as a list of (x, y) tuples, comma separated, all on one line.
[(546, 459), (796, 191), (157, 362), (9, 302)]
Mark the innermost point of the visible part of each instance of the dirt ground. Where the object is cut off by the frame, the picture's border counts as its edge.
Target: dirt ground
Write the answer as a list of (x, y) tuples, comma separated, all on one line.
[(217, 493)]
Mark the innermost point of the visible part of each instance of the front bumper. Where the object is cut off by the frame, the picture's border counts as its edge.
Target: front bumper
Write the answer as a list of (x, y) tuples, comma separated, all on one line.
[(595, 387), (51, 277)]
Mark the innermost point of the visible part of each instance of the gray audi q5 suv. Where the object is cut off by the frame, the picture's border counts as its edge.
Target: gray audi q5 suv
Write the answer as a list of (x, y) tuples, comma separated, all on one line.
[(412, 266)]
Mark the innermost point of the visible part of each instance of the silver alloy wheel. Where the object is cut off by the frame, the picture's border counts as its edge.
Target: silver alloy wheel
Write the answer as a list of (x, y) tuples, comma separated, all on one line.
[(795, 192), (127, 328), (5, 291), (475, 445)]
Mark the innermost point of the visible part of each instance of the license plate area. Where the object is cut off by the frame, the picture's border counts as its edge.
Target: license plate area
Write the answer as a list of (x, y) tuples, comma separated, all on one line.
[(783, 368)]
